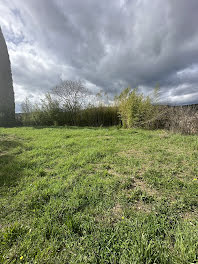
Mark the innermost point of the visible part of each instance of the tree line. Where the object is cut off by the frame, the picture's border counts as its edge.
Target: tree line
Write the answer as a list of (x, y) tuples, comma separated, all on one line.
[(70, 103)]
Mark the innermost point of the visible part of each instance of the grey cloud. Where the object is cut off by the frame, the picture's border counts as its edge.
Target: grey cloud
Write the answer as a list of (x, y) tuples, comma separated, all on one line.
[(110, 44)]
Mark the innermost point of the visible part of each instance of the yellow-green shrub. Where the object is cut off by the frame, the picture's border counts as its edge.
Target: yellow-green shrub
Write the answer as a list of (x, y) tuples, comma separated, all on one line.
[(134, 108)]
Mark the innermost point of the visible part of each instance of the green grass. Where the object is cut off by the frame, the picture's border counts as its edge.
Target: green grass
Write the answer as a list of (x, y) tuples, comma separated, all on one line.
[(98, 195)]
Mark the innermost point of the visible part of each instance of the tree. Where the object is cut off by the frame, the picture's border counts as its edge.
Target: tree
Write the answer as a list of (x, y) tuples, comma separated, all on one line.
[(71, 95)]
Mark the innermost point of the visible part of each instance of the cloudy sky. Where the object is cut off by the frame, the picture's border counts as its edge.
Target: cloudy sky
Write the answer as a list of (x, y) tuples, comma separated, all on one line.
[(108, 44)]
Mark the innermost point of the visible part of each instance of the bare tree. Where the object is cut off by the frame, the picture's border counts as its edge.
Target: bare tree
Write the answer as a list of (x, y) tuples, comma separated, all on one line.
[(71, 95)]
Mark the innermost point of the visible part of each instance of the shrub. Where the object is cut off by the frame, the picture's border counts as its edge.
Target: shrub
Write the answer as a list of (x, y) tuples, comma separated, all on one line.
[(183, 119), (130, 109), (134, 108), (49, 112), (98, 116)]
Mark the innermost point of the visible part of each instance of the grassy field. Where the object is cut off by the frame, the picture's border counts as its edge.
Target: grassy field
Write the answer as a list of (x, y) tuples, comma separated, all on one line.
[(98, 195)]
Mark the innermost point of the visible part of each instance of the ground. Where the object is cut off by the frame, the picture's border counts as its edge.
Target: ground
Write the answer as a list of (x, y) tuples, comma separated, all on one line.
[(98, 195)]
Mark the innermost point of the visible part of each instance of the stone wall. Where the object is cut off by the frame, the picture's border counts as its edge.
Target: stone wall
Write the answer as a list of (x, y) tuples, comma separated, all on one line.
[(7, 105)]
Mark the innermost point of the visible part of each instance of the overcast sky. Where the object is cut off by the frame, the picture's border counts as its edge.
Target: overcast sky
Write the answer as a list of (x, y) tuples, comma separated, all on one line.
[(109, 44)]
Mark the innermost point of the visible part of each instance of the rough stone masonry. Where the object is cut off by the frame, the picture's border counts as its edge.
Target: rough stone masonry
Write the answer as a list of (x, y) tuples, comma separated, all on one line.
[(7, 104)]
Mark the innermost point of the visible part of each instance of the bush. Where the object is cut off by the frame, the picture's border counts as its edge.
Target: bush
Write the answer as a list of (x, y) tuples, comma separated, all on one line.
[(98, 116), (130, 109), (47, 113), (183, 119), (50, 113), (134, 108)]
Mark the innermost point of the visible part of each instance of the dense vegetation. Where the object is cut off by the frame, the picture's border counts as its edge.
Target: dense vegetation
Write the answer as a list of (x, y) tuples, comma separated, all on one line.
[(98, 195), (67, 104)]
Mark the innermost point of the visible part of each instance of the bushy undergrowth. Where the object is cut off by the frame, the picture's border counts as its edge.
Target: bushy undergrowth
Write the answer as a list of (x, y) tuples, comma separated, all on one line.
[(179, 119), (183, 119), (129, 109), (50, 113)]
